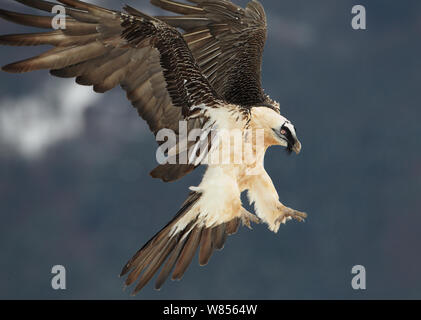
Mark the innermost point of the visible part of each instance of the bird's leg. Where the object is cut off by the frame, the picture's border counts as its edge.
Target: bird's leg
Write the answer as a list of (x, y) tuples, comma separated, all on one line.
[(262, 193)]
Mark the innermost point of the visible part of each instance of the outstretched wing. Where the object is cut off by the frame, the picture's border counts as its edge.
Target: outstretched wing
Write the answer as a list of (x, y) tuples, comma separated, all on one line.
[(227, 42), (104, 48)]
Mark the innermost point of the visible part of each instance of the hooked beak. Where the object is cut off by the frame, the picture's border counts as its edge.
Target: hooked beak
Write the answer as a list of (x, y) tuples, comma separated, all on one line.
[(297, 147), (293, 144)]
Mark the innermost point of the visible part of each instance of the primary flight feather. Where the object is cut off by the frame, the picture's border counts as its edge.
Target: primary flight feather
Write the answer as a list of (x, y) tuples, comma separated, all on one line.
[(209, 77)]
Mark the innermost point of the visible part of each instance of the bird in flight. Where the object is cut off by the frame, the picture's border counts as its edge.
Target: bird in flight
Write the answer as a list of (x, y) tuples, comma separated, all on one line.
[(201, 67)]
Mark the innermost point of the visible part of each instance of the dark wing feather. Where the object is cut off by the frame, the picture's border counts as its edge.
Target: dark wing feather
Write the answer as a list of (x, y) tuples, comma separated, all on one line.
[(228, 43), (104, 48), (152, 62)]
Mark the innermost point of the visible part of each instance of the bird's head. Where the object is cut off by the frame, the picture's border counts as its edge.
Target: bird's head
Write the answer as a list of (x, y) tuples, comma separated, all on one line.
[(287, 136), (279, 130)]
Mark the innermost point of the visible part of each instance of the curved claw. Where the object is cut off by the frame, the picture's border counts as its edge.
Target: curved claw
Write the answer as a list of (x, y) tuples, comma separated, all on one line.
[(300, 216)]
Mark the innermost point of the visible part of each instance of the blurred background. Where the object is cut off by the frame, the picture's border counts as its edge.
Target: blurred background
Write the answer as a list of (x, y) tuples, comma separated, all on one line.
[(74, 169)]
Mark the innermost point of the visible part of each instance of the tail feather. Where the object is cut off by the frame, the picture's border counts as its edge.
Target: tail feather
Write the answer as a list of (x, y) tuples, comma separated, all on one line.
[(174, 251), (164, 233), (206, 247), (169, 265), (155, 264), (187, 254), (220, 236), (232, 226)]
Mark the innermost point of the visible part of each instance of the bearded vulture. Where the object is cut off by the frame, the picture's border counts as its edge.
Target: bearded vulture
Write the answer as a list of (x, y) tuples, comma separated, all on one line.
[(208, 76)]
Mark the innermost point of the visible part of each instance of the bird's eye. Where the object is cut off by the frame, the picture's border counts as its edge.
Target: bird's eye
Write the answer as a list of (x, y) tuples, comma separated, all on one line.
[(283, 132)]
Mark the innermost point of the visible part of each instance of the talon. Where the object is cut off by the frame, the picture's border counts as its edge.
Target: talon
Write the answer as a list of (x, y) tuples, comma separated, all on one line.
[(299, 216), (282, 219), (290, 214)]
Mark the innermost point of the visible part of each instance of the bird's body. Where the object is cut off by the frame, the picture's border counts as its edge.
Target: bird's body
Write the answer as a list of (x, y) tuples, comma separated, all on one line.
[(209, 78)]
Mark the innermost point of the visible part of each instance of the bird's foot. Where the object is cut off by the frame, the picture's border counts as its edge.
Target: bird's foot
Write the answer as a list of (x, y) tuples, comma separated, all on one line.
[(286, 214), (289, 214), (248, 217)]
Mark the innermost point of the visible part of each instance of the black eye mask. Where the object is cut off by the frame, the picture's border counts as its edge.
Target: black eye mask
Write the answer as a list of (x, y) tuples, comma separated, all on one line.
[(290, 139)]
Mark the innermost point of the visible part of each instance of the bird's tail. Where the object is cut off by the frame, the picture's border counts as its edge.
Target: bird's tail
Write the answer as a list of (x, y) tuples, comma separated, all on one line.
[(175, 245)]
